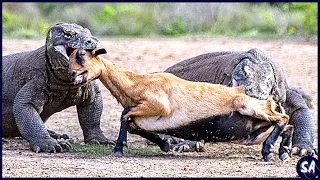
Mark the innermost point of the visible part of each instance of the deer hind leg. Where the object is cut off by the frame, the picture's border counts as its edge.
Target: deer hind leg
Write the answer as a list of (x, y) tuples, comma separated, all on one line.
[(163, 142), (150, 108), (262, 109)]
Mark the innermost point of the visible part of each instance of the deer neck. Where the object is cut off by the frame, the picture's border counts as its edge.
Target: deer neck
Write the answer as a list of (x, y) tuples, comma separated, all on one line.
[(118, 82)]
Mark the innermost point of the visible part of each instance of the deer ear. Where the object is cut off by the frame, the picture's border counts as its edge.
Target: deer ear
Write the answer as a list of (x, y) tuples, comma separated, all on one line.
[(99, 51)]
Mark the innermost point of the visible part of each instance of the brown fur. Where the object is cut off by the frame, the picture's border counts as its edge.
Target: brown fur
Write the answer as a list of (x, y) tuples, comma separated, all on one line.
[(165, 98)]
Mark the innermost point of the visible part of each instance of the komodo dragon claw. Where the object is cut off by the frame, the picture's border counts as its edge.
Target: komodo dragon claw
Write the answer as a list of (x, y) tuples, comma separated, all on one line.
[(51, 146)]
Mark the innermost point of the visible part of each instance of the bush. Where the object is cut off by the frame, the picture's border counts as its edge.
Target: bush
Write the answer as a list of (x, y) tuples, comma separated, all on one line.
[(169, 19), (177, 27), (234, 23), (310, 11), (124, 19), (267, 25), (106, 14), (304, 17), (9, 22), (23, 26)]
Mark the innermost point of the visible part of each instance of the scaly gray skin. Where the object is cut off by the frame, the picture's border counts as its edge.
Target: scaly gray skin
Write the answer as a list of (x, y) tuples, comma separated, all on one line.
[(259, 75), (36, 84)]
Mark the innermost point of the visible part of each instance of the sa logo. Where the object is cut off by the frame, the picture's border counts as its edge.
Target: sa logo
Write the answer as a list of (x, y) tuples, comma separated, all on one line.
[(308, 167)]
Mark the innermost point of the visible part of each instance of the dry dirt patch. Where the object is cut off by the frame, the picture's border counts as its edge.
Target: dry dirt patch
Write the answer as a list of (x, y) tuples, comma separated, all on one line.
[(146, 55)]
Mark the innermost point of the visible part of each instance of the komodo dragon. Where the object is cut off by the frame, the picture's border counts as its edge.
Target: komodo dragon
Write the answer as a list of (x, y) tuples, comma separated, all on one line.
[(260, 76), (36, 84)]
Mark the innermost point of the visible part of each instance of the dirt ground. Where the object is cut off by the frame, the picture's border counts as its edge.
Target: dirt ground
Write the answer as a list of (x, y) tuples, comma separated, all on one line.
[(146, 55)]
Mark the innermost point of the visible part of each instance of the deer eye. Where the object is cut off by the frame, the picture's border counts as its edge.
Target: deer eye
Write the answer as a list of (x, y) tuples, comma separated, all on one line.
[(82, 53)]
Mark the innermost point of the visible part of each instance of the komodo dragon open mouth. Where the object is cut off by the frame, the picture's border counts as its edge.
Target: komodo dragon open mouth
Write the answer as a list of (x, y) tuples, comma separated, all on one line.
[(69, 50), (65, 50)]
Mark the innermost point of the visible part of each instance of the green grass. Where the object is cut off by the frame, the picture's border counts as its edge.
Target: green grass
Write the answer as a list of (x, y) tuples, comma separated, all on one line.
[(101, 150)]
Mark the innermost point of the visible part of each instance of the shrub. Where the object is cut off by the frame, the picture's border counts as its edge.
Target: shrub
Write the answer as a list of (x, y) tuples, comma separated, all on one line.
[(106, 14), (177, 27), (124, 19), (267, 24), (169, 19)]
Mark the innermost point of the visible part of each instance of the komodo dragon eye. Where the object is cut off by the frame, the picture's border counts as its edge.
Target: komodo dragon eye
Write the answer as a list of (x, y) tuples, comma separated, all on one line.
[(246, 71), (69, 34)]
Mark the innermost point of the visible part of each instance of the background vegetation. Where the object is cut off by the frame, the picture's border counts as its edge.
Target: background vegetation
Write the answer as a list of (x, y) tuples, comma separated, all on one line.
[(32, 20)]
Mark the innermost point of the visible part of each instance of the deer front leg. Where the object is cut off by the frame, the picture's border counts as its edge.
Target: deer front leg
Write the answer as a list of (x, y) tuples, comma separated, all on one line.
[(284, 149), (122, 138), (270, 141)]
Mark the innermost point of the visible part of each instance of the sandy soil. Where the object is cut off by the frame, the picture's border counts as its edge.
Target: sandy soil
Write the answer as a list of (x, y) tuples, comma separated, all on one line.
[(146, 55)]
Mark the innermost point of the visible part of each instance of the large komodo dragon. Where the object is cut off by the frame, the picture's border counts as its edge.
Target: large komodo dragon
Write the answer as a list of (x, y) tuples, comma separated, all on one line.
[(260, 76), (36, 84)]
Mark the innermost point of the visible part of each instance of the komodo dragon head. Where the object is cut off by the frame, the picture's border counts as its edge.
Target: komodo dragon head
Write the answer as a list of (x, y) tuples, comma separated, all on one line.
[(260, 76), (62, 39)]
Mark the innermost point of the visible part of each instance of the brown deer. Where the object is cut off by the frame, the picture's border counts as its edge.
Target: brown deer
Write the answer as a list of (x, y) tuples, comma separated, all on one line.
[(159, 101)]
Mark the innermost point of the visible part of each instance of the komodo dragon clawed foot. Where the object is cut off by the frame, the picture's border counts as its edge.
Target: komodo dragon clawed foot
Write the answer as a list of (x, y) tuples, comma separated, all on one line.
[(178, 144), (303, 151), (98, 139), (168, 142), (189, 146), (55, 135), (50, 145)]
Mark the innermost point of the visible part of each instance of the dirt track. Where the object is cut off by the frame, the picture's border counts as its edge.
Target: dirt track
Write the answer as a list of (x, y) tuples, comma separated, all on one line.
[(298, 59)]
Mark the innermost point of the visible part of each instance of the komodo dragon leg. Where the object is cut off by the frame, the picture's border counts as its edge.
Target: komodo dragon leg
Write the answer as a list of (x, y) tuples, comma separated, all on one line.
[(89, 117), (26, 110)]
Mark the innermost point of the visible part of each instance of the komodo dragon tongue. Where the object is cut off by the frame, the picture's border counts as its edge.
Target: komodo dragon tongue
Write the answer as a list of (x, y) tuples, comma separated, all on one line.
[(234, 83)]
